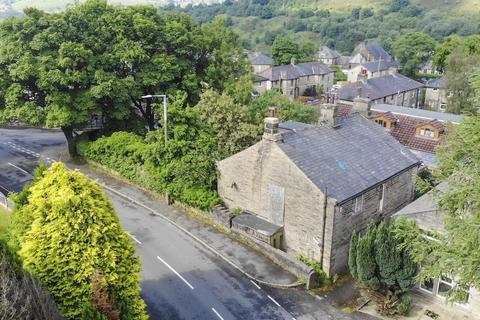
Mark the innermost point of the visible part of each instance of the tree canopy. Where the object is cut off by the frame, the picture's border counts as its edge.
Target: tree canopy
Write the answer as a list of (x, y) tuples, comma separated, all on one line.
[(60, 70), (413, 49), (73, 233)]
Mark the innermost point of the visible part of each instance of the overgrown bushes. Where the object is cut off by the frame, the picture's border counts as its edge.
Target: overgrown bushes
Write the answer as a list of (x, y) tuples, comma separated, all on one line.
[(380, 261)]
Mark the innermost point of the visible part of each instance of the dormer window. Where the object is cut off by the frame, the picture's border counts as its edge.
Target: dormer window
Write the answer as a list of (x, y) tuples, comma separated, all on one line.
[(426, 132), (382, 122)]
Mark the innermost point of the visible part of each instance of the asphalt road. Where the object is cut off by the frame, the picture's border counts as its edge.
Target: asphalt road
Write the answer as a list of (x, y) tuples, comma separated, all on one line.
[(180, 278)]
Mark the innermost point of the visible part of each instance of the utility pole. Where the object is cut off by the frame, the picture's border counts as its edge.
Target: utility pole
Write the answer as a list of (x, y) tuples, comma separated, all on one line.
[(165, 112)]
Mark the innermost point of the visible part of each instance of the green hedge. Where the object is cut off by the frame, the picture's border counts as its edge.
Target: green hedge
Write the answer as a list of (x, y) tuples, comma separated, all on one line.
[(185, 169)]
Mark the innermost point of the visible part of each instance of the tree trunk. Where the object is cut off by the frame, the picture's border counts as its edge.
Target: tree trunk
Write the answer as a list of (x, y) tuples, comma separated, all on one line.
[(71, 141)]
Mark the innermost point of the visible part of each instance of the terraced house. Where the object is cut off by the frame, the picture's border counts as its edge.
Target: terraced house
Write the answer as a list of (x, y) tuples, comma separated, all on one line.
[(314, 185), (391, 89), (296, 79)]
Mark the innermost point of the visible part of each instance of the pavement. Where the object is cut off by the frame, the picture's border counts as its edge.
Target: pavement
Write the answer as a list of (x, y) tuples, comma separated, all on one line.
[(182, 278)]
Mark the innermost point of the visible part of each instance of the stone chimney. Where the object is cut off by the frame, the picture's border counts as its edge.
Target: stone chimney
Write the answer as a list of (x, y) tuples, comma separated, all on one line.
[(270, 130), (362, 77), (362, 106), (293, 61), (328, 115)]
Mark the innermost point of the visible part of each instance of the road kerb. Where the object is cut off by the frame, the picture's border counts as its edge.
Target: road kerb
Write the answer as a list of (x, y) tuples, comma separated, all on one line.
[(203, 243)]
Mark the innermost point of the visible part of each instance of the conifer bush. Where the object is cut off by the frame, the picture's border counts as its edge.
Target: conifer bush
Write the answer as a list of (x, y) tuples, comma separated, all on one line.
[(72, 234)]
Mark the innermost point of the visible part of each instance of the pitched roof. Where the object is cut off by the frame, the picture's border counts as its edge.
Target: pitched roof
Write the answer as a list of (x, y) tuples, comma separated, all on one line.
[(345, 160), (327, 53), (295, 71), (344, 59), (377, 51), (439, 83), (425, 210), (379, 87), (417, 113), (260, 59), (380, 65)]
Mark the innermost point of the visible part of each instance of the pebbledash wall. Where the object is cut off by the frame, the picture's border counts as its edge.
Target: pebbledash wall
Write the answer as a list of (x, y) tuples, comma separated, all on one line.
[(256, 178)]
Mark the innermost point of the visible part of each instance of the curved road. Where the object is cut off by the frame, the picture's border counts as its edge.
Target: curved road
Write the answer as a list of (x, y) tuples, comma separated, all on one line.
[(180, 278)]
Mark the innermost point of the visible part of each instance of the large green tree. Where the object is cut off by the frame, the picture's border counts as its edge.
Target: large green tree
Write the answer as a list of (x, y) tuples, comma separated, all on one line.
[(73, 233), (459, 165), (460, 72), (63, 69), (443, 51), (413, 49)]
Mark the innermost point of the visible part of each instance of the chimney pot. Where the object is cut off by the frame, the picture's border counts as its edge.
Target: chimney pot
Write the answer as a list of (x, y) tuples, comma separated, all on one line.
[(272, 111), (270, 129)]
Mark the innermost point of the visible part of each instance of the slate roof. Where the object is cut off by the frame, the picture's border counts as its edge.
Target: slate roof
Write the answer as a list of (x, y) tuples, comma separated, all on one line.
[(425, 211), (417, 113), (379, 87), (327, 53), (439, 83), (261, 59), (295, 71), (377, 51), (254, 222), (380, 65), (344, 60), (346, 160)]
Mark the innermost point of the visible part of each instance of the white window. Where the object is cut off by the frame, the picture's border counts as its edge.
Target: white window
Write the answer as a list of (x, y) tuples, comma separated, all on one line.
[(426, 132), (358, 204)]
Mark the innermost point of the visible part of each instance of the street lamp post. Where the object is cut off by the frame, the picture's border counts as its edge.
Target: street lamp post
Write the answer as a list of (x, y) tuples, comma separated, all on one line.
[(165, 113), (165, 130)]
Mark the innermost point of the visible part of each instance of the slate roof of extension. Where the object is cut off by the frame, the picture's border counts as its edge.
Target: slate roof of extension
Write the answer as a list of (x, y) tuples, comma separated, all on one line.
[(346, 160), (437, 83), (377, 88), (261, 59), (295, 71)]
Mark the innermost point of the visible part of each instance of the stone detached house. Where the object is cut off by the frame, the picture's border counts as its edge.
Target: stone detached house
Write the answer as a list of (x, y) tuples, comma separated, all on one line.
[(425, 211), (260, 62), (373, 69), (295, 79), (313, 185), (328, 56), (436, 95), (368, 52), (391, 89)]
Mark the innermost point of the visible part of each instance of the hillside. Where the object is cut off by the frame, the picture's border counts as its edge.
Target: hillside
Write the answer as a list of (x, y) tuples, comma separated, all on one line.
[(454, 6)]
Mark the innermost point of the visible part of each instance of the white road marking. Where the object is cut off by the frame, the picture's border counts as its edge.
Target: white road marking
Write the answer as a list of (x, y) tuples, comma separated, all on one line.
[(273, 300), (218, 314), (24, 171), (256, 285), (136, 240), (174, 271)]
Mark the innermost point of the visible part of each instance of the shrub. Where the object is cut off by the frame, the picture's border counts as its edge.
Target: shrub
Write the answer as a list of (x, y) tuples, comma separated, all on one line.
[(323, 280), (405, 305), (72, 232)]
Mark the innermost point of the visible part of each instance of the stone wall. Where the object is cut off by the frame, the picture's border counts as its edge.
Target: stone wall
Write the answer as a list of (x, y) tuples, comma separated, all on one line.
[(434, 99), (261, 179), (397, 192), (289, 263)]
